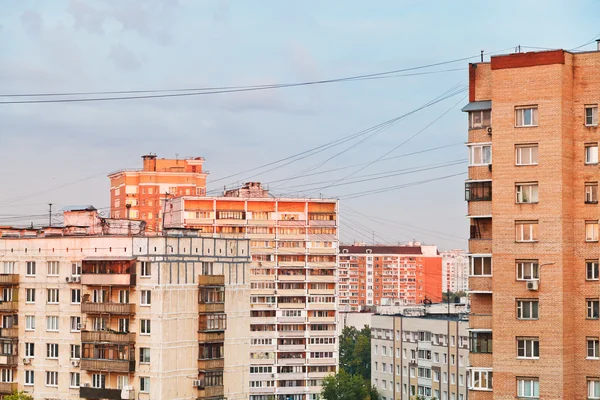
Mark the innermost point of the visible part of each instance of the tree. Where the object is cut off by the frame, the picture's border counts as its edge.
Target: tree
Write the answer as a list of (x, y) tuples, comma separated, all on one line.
[(454, 296), (16, 395), (345, 386), (355, 351)]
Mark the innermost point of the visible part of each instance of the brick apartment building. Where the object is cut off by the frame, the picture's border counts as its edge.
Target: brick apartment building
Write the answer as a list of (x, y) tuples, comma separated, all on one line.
[(534, 242), (377, 275), (95, 309)]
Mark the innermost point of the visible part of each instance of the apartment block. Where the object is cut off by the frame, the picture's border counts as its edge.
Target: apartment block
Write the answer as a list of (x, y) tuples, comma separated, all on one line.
[(293, 278), (139, 194), (420, 354), (533, 136), (455, 271), (379, 275), (95, 309)]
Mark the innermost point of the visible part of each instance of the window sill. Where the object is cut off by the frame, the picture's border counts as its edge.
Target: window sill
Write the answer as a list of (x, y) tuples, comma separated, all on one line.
[(591, 202), (526, 241), (480, 165), (592, 280), (526, 165), (526, 126), (592, 164), (528, 358), (592, 319), (480, 389), (527, 202), (593, 358), (591, 241), (590, 125), (528, 279)]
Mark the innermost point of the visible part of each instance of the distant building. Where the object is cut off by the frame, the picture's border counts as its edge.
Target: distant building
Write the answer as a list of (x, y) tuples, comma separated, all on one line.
[(96, 309), (379, 275), (455, 271)]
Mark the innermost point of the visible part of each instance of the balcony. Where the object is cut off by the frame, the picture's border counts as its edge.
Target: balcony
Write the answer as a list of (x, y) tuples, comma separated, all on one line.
[(291, 347), (96, 393), (321, 306), (320, 278), (480, 246), (291, 361), (8, 387), (108, 308), (291, 292), (327, 292), (210, 392), (211, 307), (9, 279), (9, 306), (300, 334), (107, 365), (218, 363), (107, 336), (315, 222), (9, 360), (9, 333), (322, 361), (480, 321), (108, 279), (291, 305), (288, 278), (108, 271), (211, 280), (211, 336), (480, 284), (480, 208)]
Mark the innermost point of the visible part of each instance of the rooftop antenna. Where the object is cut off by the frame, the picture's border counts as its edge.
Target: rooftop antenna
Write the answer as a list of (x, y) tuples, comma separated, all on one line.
[(50, 214), (481, 55)]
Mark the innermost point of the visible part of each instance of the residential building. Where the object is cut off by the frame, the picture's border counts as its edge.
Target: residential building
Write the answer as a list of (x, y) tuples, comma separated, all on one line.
[(455, 271), (95, 309), (139, 194), (293, 277), (378, 275), (420, 354), (533, 136)]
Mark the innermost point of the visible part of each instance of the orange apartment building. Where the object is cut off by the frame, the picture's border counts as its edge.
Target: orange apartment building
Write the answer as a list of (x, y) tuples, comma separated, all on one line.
[(139, 194), (533, 244), (380, 275)]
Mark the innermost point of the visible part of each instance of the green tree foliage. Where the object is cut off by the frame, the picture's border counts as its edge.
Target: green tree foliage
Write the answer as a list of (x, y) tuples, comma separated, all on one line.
[(18, 396), (345, 386), (454, 296)]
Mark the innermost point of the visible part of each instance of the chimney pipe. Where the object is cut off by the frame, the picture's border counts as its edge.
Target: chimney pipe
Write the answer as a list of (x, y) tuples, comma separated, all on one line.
[(598, 44)]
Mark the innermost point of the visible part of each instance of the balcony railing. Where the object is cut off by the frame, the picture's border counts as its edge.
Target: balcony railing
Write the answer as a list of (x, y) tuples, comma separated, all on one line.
[(209, 392), (480, 321), (108, 279), (108, 308), (9, 306), (12, 333), (211, 307), (9, 360), (107, 365), (8, 387), (211, 280), (9, 279), (96, 393), (107, 336), (218, 363)]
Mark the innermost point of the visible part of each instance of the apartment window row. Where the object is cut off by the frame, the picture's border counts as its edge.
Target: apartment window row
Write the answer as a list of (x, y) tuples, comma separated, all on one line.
[(52, 324), (98, 296), (528, 231), (527, 116)]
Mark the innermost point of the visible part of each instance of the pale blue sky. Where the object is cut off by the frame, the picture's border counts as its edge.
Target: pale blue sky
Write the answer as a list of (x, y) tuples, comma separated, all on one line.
[(77, 45)]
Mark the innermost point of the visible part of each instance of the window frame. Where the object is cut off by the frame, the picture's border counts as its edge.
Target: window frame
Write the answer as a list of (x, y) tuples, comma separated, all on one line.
[(533, 266), (520, 305), (588, 157), (482, 116), (519, 153), (533, 231), (29, 379), (478, 190), (595, 348), (595, 269), (521, 110), (52, 378), (521, 384), (489, 380), (481, 146), (534, 191), (593, 115), (591, 193), (593, 386), (29, 267), (74, 380), (29, 299), (145, 327), (592, 309), (592, 231), (526, 348), (52, 296), (145, 298)]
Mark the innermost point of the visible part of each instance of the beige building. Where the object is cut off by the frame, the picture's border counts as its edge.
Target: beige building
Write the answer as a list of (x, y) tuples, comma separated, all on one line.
[(420, 354), (98, 310)]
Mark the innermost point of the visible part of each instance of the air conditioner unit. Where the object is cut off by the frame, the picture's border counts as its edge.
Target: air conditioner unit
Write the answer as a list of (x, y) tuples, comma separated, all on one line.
[(533, 285), (197, 383), (76, 279), (75, 363), (489, 131), (68, 279), (27, 361), (79, 327)]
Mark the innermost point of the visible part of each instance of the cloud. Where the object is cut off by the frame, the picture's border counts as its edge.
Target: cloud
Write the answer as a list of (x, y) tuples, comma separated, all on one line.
[(222, 12), (124, 58), (31, 21), (87, 17)]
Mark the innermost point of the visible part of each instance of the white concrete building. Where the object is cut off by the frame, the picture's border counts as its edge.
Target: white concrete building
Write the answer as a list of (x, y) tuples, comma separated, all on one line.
[(455, 271)]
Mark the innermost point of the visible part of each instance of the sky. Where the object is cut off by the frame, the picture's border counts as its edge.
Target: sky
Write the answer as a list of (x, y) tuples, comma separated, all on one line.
[(60, 153)]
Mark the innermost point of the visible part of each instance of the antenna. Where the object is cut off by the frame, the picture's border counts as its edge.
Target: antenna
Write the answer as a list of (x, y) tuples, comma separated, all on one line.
[(50, 214)]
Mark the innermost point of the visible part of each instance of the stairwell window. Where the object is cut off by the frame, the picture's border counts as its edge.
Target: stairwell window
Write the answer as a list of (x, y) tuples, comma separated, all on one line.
[(527, 270), (528, 388), (526, 231), (591, 231), (526, 116), (527, 192), (480, 154), (591, 193), (591, 115), (593, 348), (528, 348), (591, 153)]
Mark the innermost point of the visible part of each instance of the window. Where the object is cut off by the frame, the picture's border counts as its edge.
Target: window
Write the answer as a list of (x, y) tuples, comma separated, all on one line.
[(75, 351), (591, 192), (74, 380), (99, 381), (124, 296), (146, 269), (526, 231), (592, 348), (75, 296), (123, 325), (526, 154), (526, 116), (528, 348), (52, 268), (527, 270), (481, 266), (29, 350), (30, 323), (591, 153), (144, 384), (592, 308), (30, 269), (51, 378), (145, 323), (29, 378), (527, 192), (436, 376), (52, 323), (144, 355), (591, 267), (76, 268), (51, 350), (528, 387), (481, 380), (480, 155), (480, 119), (593, 389), (30, 295), (424, 372), (481, 342), (591, 115), (478, 191), (146, 297), (591, 231), (75, 324), (52, 297), (527, 309)]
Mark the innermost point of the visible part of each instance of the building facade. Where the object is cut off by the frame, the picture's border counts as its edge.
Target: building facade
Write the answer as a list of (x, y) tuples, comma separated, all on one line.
[(97, 310), (293, 277), (422, 355), (379, 275), (534, 242), (455, 271), (139, 194)]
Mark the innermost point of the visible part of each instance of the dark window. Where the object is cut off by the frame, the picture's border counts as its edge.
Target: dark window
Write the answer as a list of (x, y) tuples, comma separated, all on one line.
[(478, 191), (481, 342)]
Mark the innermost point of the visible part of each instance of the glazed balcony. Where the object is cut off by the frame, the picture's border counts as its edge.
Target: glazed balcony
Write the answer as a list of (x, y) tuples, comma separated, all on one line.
[(9, 279), (107, 365), (108, 271), (217, 363), (211, 280), (480, 208), (108, 308), (211, 307), (210, 392), (107, 337), (8, 387), (96, 393), (211, 337)]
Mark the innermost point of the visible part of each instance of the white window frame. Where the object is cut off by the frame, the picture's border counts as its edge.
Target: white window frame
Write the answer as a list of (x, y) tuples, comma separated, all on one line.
[(591, 231), (53, 268), (591, 115), (30, 295), (30, 268), (52, 296), (29, 378), (482, 153), (477, 258), (593, 308), (595, 270), (593, 389), (591, 154), (529, 228), (593, 347), (591, 192), (519, 152), (526, 348), (30, 323), (75, 351), (52, 351), (75, 323), (99, 381), (520, 116), (145, 269), (145, 327), (482, 123), (145, 298), (52, 323), (52, 378), (144, 384), (75, 296), (527, 193), (144, 351), (29, 350), (531, 266), (74, 379), (534, 388), (523, 305), (477, 382)]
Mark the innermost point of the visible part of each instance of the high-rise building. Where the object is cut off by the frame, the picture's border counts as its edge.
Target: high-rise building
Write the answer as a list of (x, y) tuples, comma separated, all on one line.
[(95, 309), (293, 277), (379, 275), (139, 194), (455, 271), (533, 137)]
